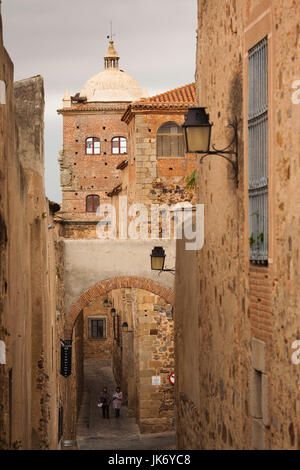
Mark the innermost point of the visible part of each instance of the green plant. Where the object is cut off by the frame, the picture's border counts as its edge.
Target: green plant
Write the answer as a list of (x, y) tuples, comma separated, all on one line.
[(260, 237), (251, 240), (191, 180)]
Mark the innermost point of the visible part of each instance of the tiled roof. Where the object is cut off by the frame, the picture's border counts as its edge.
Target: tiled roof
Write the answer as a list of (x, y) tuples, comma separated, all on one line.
[(177, 99), (90, 107), (184, 94)]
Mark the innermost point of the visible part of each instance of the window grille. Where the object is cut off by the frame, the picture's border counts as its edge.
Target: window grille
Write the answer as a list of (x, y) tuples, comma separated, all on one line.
[(258, 151)]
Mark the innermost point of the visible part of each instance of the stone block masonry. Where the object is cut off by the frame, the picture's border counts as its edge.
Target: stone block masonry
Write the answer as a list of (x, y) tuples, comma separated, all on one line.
[(30, 253), (236, 384), (144, 355)]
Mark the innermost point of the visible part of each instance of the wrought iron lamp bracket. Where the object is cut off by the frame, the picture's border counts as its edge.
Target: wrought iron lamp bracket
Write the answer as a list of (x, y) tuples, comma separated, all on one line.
[(231, 149), (167, 270)]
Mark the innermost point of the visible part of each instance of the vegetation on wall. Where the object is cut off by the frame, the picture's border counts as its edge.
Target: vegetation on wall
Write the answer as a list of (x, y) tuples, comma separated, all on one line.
[(191, 180)]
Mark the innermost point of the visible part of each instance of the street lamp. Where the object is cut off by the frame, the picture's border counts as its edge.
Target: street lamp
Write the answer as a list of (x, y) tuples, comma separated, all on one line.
[(158, 257), (197, 136), (197, 131), (105, 303), (125, 327), (113, 312)]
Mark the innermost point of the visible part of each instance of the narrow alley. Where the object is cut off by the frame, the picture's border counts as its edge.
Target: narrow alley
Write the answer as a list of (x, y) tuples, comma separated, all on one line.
[(150, 225), (95, 433)]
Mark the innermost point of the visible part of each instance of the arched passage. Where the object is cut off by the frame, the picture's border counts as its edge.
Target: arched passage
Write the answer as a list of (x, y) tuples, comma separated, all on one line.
[(109, 285)]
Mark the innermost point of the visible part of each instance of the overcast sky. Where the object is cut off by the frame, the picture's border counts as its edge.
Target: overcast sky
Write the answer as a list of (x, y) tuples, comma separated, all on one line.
[(65, 41)]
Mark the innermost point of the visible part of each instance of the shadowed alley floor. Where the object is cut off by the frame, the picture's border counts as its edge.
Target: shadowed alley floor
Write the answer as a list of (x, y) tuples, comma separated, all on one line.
[(95, 433)]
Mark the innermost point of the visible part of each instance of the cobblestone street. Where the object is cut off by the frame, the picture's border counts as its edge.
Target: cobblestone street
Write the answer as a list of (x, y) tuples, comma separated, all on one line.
[(94, 433)]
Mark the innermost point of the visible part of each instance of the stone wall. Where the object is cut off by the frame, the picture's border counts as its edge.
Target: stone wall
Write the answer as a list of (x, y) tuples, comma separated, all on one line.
[(145, 352), (108, 263), (101, 348), (28, 277), (236, 385), (154, 357), (151, 173), (9, 167)]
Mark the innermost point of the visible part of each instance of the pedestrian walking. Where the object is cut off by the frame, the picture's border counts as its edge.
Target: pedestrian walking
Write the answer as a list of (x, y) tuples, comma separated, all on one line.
[(117, 401), (105, 400)]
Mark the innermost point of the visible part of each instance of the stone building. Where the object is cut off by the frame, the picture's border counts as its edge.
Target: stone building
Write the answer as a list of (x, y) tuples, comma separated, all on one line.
[(95, 141), (29, 260), (119, 144), (237, 299)]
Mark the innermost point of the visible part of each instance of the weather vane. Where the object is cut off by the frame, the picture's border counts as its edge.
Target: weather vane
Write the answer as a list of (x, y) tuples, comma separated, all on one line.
[(111, 33)]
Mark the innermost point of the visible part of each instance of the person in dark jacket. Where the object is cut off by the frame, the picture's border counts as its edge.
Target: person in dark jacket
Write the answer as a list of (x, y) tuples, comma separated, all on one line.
[(105, 400)]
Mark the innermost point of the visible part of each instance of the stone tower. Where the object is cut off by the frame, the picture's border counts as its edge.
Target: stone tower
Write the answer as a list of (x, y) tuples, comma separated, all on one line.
[(95, 142)]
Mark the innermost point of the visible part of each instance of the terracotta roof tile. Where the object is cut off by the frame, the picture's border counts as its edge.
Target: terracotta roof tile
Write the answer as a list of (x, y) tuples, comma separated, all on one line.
[(184, 94)]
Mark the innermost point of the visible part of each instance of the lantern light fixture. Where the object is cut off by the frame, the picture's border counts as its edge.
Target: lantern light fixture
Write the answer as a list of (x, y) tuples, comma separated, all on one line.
[(197, 138), (125, 327), (113, 312), (158, 257)]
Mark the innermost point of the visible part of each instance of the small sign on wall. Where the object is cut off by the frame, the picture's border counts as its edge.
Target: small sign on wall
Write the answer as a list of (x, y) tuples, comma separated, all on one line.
[(66, 357), (155, 380), (2, 353)]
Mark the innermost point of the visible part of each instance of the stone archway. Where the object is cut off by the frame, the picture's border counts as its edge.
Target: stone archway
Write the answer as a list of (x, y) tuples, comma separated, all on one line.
[(109, 285)]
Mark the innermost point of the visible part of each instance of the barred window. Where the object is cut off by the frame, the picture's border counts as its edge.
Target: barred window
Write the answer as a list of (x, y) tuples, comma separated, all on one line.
[(92, 146), (119, 145), (258, 151), (92, 203), (170, 140), (96, 327)]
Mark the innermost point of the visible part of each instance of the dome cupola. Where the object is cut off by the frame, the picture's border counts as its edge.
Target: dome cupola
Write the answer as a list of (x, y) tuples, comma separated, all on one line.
[(112, 84), (111, 58)]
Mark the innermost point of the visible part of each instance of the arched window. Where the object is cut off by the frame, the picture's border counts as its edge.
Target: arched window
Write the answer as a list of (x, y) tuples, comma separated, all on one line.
[(92, 146), (118, 145), (92, 203), (170, 140)]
